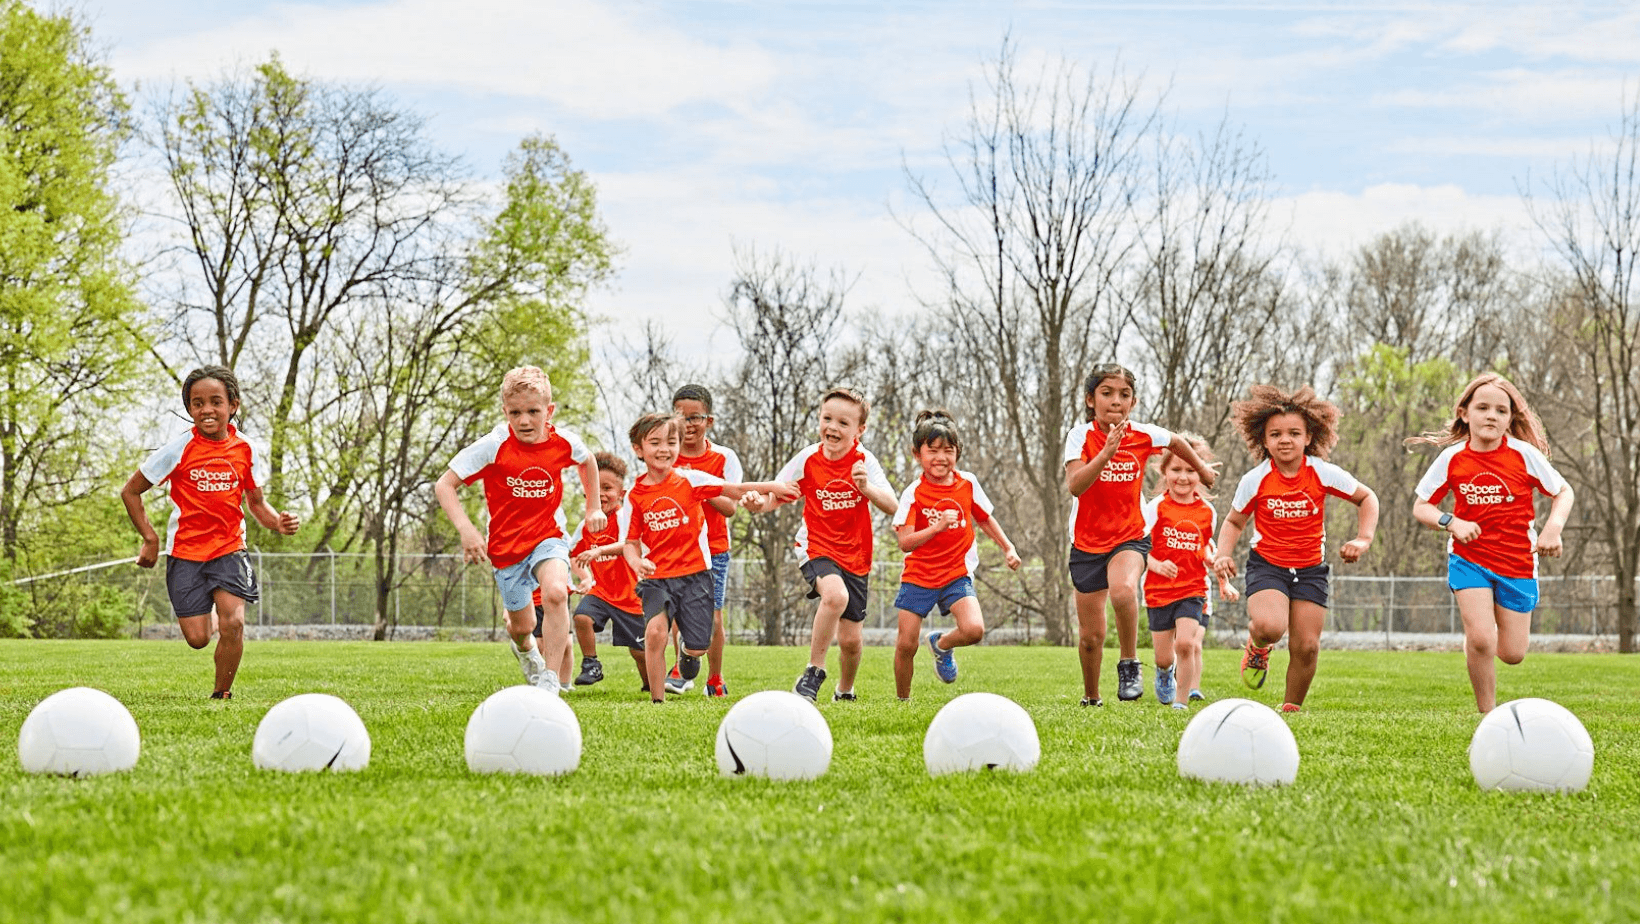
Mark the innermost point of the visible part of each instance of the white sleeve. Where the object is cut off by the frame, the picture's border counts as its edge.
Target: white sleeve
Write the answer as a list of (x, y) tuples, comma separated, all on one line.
[(981, 499), (1539, 467), (907, 498), (1436, 476), (698, 478), (475, 458), (1075, 441), (793, 469), (575, 537), (1151, 510), (1159, 436), (623, 518), (875, 476), (164, 460), (1247, 488), (578, 450), (1334, 478), (732, 472)]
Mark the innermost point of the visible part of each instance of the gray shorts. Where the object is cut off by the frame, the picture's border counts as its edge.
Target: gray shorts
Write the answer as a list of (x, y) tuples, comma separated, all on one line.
[(191, 585), (625, 629)]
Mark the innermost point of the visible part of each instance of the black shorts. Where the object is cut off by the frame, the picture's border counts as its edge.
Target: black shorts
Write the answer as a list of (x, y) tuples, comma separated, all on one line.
[(1308, 584), (625, 629), (687, 602), (191, 584), (816, 568), (1166, 618), (1088, 569)]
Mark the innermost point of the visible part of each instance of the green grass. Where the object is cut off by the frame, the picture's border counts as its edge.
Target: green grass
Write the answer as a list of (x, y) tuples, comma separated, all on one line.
[(1383, 824)]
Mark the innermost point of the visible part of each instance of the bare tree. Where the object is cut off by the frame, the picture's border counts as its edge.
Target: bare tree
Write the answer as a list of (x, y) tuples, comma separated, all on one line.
[(1029, 252), (1430, 296)]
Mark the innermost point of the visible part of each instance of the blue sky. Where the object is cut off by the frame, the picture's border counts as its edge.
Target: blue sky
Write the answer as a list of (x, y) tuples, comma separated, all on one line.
[(784, 124)]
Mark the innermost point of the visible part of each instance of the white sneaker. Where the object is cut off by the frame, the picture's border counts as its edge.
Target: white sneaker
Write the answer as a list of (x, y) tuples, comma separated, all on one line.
[(549, 681), (532, 664)]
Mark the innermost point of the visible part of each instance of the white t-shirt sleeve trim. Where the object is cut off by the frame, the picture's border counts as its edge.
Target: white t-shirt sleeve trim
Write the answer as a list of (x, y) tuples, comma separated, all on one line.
[(1540, 468), (159, 465), (1436, 476), (732, 472), (475, 458), (1247, 488), (260, 471), (793, 469), (981, 500), (1152, 511), (1159, 436), (907, 498), (578, 450), (875, 476), (1074, 441), (697, 478)]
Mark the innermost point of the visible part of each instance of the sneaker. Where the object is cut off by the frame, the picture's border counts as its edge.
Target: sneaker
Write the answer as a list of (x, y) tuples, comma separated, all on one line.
[(1180, 706), (592, 671), (549, 681), (675, 682), (532, 664), (1092, 701), (1196, 696), (715, 688), (1290, 707), (945, 663), (1128, 685), (841, 697), (222, 694), (1255, 664), (1165, 686), (808, 685)]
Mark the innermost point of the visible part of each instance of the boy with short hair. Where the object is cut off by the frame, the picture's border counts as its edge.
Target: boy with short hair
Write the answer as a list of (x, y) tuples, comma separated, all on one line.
[(606, 582), (839, 482), (693, 403), (520, 464)]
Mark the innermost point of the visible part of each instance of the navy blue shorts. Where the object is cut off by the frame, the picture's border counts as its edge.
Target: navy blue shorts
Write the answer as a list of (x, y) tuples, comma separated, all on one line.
[(1166, 618), (1309, 584), (625, 629), (687, 602), (192, 584), (816, 568), (920, 601), (1089, 570)]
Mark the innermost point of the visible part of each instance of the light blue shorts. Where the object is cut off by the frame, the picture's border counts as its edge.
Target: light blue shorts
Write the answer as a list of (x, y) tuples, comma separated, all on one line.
[(517, 581), (720, 579), (1517, 594)]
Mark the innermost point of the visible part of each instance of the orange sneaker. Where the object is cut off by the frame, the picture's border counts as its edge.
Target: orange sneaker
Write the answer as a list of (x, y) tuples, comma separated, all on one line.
[(1290, 707), (1255, 664)]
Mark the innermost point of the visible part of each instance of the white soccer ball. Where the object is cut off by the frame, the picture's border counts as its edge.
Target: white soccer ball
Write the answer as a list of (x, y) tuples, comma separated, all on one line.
[(79, 732), (775, 734), (1531, 745), (981, 731), (311, 731), (523, 729), (1239, 741)]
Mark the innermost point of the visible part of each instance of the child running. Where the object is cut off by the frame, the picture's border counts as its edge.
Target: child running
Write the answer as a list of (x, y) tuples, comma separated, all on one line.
[(839, 482), (935, 523), (1104, 471), (521, 465), (693, 403), (605, 580), (1285, 496), (665, 545), (215, 475), (1496, 456), (1180, 523)]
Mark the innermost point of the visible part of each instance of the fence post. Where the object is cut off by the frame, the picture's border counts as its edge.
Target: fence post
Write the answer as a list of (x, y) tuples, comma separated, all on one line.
[(262, 599), (333, 587), (1389, 611)]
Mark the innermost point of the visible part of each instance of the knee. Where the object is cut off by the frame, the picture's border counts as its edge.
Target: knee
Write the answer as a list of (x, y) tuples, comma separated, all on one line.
[(554, 594), (655, 634), (834, 600), (1486, 648), (1124, 597), (196, 641), (583, 621), (1092, 641), (1187, 651), (1509, 656), (230, 625), (1304, 650), (850, 647), (906, 648)]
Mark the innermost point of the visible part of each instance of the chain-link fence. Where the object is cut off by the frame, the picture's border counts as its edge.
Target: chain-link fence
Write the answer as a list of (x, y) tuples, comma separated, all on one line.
[(440, 592)]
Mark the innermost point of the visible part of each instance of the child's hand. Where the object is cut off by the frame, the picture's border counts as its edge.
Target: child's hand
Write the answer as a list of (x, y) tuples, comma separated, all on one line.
[(1224, 567), (1465, 531), (751, 500), (596, 521), (1548, 542), (1352, 550), (1165, 568), (1228, 591), (787, 491), (148, 554), (1113, 442), (472, 546), (1011, 557), (646, 569), (858, 473), (289, 523), (950, 518), (583, 561)]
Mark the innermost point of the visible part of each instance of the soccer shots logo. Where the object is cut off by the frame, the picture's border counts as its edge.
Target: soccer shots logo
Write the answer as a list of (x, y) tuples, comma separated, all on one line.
[(214, 477), (532, 482), (1122, 467), (1485, 490), (837, 494), (1183, 537), (1294, 506), (665, 515), (934, 513)]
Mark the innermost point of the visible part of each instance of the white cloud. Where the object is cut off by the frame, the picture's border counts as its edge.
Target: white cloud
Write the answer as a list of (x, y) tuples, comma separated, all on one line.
[(1523, 94), (1334, 222)]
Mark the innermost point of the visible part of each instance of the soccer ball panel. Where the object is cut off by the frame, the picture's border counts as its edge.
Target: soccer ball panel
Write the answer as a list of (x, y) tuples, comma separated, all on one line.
[(981, 731), (311, 731), (79, 732), (1238, 741), (1531, 745), (523, 729), (774, 734)]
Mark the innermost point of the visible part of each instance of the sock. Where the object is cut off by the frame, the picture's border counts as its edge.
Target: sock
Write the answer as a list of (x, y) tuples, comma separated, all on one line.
[(689, 667)]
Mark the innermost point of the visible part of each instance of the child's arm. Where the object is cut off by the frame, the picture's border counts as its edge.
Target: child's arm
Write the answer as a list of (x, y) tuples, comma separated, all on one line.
[(881, 496), (595, 519), (1181, 447), (992, 528), (1229, 535), (640, 566), (779, 491), (1080, 476), (1548, 541), (912, 538), (1430, 515), (1161, 566), (284, 524), (1366, 523), (472, 544), (723, 505), (583, 578), (131, 496)]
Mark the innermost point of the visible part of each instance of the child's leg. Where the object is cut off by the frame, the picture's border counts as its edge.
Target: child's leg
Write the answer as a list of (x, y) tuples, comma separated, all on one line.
[(833, 600), (230, 640), (1303, 648), (586, 636), (850, 647), (1481, 621), (714, 652), (641, 661), (197, 630), (1164, 643), (553, 576), (1267, 615), (1187, 654), (906, 644), (654, 644), (1090, 646), (970, 624), (1123, 572)]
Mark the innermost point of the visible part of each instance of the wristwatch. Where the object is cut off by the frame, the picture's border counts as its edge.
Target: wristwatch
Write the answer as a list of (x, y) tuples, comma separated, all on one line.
[(1445, 519)]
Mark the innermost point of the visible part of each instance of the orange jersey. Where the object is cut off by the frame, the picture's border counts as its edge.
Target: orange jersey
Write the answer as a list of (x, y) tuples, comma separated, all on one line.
[(668, 521), (1107, 513), (208, 479), (1494, 489), (612, 579), (1181, 534), (951, 553), (836, 516), (523, 487), (722, 462), (1288, 514)]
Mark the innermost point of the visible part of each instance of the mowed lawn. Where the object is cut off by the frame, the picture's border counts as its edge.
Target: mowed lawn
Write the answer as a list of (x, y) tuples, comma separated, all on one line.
[(1383, 824)]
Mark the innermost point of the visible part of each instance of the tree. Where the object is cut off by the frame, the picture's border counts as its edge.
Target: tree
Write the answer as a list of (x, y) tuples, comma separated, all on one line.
[(1029, 253), (70, 347)]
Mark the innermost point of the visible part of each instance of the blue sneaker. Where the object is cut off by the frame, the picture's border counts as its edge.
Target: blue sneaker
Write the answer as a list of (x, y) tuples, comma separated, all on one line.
[(1165, 687), (945, 663)]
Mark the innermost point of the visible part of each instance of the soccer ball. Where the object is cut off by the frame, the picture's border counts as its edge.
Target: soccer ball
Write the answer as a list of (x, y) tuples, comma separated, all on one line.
[(1531, 745), (79, 732), (523, 729), (981, 731), (1238, 741), (311, 731), (775, 734)]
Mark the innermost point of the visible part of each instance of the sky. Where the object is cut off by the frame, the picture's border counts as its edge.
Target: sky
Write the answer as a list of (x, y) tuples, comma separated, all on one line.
[(713, 125)]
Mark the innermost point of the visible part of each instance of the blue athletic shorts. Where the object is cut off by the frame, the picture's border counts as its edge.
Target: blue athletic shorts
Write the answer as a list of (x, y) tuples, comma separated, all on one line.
[(720, 579), (1517, 594), (517, 580), (1166, 618), (919, 600)]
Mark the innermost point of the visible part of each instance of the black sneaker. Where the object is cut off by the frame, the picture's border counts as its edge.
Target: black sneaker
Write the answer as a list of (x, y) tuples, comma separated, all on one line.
[(592, 671), (808, 685), (222, 694), (842, 697), (1092, 701), (1128, 685)]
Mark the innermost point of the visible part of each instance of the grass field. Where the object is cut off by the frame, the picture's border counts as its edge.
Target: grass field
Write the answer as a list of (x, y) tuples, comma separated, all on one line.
[(1384, 823)]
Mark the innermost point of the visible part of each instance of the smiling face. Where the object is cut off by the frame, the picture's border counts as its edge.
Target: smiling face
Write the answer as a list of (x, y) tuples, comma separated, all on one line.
[(1111, 401), (1488, 415), (1180, 479), (841, 424), (1286, 437), (211, 408), (528, 413), (938, 459), (610, 491), (658, 449), (696, 421)]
